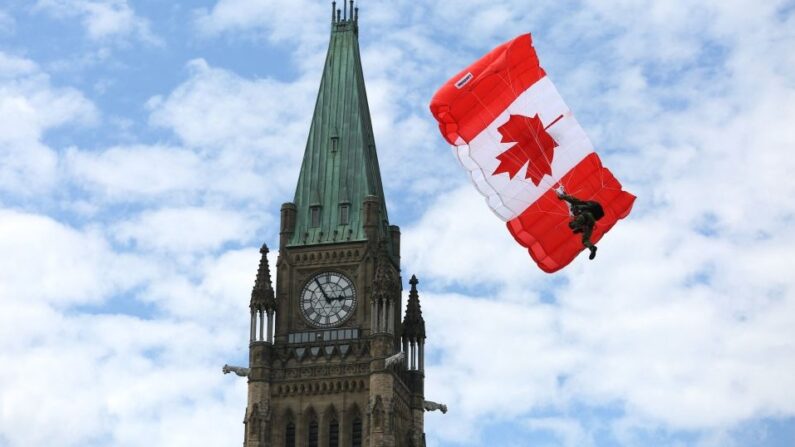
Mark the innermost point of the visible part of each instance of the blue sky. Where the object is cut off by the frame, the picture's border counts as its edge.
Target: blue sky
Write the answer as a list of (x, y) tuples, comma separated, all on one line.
[(146, 146)]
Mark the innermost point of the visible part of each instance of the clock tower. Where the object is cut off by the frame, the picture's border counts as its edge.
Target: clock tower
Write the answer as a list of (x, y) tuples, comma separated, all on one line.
[(331, 362)]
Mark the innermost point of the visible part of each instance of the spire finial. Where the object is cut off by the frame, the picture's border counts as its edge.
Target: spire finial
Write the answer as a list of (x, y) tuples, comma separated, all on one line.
[(348, 13), (262, 295), (413, 323)]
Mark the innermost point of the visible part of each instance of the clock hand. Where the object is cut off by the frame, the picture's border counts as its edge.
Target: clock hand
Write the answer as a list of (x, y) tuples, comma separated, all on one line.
[(322, 291)]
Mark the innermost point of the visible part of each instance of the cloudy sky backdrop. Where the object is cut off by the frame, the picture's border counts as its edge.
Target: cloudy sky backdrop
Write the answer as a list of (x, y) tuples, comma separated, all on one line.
[(146, 146)]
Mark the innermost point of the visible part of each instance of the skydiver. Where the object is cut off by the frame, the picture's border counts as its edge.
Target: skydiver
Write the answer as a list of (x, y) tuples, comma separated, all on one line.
[(584, 213)]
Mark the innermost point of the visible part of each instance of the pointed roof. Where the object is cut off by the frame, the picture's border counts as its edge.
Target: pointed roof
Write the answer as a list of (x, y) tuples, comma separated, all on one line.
[(340, 166), (413, 323), (262, 295)]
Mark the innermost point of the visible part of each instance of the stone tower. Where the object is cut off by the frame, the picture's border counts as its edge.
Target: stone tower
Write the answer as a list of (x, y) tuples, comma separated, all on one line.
[(319, 341)]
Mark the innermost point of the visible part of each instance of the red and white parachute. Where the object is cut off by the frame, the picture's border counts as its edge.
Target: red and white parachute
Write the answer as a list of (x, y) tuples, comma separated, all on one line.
[(519, 141)]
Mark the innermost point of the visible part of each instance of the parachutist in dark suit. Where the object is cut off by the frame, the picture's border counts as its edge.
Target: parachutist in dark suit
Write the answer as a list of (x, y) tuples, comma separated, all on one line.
[(584, 213)]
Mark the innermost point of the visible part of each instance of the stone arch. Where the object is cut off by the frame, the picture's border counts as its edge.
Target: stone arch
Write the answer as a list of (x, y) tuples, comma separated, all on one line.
[(330, 412), (354, 410), (312, 427), (289, 426), (355, 425), (310, 412), (331, 425)]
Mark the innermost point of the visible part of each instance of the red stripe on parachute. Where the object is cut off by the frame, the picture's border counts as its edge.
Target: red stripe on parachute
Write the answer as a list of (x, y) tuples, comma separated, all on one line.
[(498, 100)]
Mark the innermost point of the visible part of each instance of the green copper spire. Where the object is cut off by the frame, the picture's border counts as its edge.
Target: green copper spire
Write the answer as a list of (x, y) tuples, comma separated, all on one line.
[(340, 166)]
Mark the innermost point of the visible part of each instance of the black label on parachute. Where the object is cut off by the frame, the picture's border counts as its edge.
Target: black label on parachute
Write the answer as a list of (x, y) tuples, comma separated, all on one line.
[(463, 81)]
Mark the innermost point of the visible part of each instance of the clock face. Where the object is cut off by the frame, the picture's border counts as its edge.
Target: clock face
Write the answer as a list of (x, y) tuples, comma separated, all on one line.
[(328, 299)]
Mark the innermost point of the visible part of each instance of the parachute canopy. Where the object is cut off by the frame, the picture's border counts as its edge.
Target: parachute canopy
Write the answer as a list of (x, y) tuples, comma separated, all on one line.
[(512, 132)]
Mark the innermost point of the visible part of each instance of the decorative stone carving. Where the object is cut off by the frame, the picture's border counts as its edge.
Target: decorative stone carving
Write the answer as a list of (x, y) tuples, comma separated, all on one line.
[(433, 406), (376, 409), (239, 370)]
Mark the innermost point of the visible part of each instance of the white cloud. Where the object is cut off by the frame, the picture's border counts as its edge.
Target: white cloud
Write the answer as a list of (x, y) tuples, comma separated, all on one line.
[(684, 322), (212, 290), (11, 66), (276, 22), (470, 245), (279, 18), (137, 172), (243, 140), (30, 106), (568, 431), (120, 381), (46, 261), (7, 23), (219, 109), (102, 19), (186, 230), (252, 132)]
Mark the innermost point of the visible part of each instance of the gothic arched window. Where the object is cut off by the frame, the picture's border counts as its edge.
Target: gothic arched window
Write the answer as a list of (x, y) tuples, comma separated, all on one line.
[(356, 433), (313, 432), (289, 435), (334, 433)]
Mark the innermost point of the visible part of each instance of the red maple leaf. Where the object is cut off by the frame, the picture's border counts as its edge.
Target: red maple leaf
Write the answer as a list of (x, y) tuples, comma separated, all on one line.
[(534, 147)]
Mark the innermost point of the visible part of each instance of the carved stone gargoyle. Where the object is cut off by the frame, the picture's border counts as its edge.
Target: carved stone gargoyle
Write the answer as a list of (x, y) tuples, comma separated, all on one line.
[(239, 370), (433, 406)]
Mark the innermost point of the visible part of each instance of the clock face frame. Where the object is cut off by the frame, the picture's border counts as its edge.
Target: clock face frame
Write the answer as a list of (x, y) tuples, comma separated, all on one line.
[(328, 299)]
